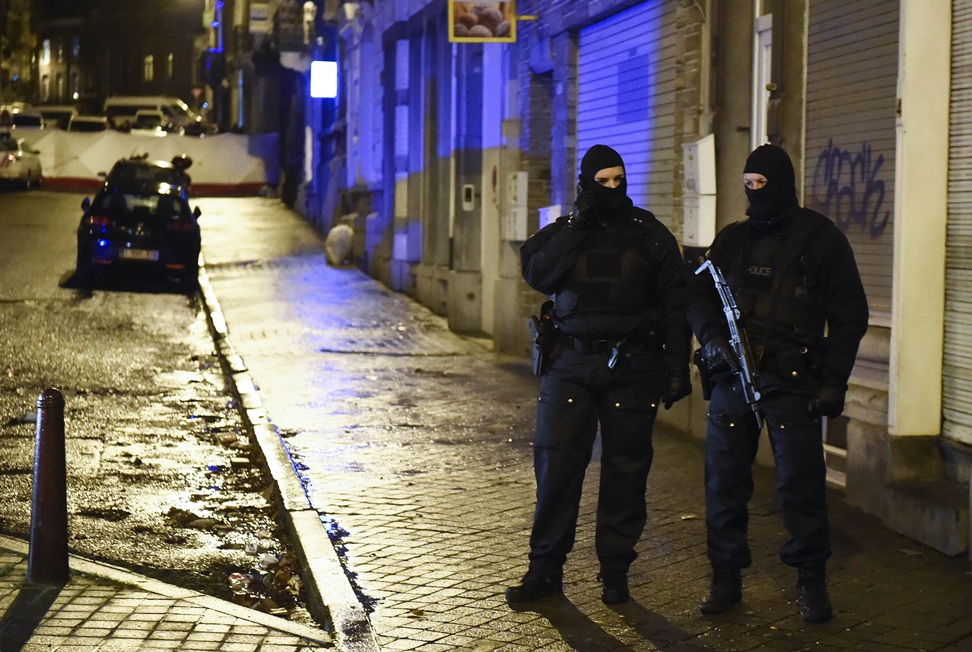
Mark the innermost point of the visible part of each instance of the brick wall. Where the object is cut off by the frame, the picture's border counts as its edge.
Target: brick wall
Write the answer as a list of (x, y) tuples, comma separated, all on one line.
[(535, 102), (689, 21)]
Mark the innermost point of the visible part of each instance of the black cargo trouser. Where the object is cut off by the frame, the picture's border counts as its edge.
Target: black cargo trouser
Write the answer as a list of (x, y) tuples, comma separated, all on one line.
[(732, 438), (576, 393)]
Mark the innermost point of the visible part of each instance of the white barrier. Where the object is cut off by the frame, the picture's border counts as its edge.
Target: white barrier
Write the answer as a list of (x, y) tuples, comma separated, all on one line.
[(224, 163)]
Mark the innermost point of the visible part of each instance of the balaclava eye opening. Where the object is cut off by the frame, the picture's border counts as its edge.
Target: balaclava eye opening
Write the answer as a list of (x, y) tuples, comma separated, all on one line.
[(769, 202), (609, 200)]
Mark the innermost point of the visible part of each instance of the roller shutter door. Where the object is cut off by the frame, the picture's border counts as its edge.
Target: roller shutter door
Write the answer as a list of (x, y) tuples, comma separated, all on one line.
[(626, 98), (852, 74), (957, 372)]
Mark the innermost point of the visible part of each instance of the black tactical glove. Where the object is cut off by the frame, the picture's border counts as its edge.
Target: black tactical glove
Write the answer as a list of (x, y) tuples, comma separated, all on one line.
[(678, 385), (719, 356), (829, 401), (584, 208)]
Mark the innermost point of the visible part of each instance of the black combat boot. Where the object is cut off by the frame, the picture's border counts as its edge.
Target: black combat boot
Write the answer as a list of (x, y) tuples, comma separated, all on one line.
[(615, 587), (535, 586), (724, 592), (812, 590)]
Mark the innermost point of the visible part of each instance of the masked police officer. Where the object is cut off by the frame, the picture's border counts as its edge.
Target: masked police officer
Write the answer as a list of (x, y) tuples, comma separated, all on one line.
[(792, 273), (620, 347)]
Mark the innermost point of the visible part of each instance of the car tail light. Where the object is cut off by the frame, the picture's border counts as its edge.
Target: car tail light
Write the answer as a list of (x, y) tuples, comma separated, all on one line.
[(98, 221), (181, 225)]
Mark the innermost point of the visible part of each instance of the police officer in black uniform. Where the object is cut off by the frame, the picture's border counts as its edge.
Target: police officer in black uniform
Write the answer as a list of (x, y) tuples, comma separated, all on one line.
[(620, 348), (792, 273)]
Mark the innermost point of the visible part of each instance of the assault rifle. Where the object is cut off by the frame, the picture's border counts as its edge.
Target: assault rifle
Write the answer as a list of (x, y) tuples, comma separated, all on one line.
[(737, 339)]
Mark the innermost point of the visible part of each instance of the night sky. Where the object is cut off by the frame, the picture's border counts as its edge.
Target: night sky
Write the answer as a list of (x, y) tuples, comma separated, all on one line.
[(65, 8)]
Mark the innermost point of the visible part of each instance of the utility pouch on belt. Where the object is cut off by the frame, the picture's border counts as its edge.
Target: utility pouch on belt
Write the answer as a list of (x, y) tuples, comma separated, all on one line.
[(544, 338), (704, 377)]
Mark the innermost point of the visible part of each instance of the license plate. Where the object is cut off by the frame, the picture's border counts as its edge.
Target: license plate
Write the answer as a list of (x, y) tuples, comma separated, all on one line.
[(139, 254)]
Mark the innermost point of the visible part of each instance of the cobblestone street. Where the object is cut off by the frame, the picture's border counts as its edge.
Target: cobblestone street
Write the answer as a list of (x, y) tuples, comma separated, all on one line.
[(414, 445)]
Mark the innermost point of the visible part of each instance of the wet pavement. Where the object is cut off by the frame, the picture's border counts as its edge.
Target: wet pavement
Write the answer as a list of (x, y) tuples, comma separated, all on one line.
[(400, 455), (413, 446), (161, 477), (153, 483)]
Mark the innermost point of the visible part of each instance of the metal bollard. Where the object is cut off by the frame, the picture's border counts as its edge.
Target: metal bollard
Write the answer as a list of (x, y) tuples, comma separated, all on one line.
[(47, 562)]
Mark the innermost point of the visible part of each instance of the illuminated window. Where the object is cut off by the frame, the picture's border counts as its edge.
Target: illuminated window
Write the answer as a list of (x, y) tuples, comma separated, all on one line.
[(323, 81), (148, 72), (170, 65), (45, 87), (46, 52)]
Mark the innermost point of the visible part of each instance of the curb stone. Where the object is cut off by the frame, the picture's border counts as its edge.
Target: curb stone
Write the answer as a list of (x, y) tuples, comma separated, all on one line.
[(331, 598), (120, 575)]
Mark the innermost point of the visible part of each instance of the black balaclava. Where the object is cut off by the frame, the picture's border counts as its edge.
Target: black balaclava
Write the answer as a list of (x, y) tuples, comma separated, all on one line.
[(610, 200), (769, 202)]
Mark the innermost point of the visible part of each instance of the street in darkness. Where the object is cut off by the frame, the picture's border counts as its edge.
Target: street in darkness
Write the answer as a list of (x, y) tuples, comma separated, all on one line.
[(413, 445)]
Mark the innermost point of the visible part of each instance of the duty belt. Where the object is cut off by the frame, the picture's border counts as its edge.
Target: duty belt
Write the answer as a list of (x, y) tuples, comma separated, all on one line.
[(584, 345)]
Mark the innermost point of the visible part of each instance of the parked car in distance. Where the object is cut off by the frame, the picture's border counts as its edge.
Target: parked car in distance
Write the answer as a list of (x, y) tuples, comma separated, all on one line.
[(7, 111), (139, 227), (121, 110), (19, 163), (150, 123), (87, 123), (28, 119), (57, 117)]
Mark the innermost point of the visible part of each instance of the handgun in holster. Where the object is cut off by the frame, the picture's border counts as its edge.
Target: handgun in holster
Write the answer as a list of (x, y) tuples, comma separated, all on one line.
[(544, 338)]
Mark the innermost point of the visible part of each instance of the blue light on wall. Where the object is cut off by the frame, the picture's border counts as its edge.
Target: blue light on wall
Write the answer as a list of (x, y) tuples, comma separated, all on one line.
[(323, 80)]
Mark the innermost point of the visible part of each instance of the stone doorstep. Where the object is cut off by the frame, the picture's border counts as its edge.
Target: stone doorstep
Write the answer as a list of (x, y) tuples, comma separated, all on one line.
[(957, 457), (934, 512)]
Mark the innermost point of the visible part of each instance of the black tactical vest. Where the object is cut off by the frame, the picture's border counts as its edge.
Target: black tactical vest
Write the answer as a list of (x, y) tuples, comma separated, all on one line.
[(611, 290), (612, 274), (774, 289)]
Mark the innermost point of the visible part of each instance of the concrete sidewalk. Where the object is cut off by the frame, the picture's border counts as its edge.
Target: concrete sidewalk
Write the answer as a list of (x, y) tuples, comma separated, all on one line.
[(403, 456), (104, 607)]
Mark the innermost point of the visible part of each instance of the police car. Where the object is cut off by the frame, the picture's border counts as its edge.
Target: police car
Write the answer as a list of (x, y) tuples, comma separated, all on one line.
[(140, 225)]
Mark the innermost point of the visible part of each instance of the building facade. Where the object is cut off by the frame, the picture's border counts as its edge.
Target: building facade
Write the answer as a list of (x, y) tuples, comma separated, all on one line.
[(453, 153), (60, 75), (96, 48), (17, 43)]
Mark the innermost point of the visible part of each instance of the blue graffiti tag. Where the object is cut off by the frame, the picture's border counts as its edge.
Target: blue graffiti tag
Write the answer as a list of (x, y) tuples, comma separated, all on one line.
[(846, 187)]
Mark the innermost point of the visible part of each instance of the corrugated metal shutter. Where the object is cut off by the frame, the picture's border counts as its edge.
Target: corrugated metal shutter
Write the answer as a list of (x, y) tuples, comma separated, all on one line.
[(957, 372), (852, 75), (626, 98)]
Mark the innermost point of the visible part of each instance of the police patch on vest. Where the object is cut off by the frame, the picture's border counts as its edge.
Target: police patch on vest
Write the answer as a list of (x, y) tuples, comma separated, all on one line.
[(758, 278)]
